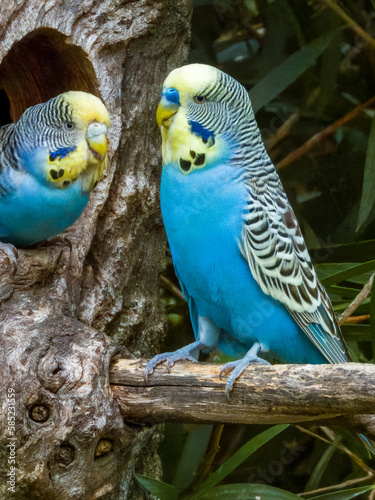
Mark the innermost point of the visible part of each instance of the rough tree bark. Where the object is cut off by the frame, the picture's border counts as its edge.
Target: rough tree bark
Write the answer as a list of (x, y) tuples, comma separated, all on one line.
[(67, 299)]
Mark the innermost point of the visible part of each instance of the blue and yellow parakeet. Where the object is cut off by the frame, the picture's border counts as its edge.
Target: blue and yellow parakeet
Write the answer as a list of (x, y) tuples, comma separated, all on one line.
[(236, 245), (50, 160)]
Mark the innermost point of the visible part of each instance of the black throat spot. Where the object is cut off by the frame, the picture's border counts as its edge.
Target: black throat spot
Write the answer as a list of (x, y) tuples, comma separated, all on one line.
[(185, 164), (201, 158)]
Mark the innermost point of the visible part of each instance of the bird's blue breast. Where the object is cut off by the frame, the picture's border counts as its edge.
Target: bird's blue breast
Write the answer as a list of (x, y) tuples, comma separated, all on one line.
[(31, 211), (202, 214)]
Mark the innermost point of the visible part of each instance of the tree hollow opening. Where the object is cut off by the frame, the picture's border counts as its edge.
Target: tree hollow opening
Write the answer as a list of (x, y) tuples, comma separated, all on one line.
[(40, 66)]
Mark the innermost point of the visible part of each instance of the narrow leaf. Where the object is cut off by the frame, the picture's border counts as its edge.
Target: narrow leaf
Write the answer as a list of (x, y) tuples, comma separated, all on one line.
[(291, 20), (372, 318), (356, 333), (247, 492), (360, 251), (367, 206), (194, 449), (277, 80), (345, 494), (241, 455), (319, 469), (354, 270), (159, 489), (327, 270), (342, 291), (202, 3), (362, 309)]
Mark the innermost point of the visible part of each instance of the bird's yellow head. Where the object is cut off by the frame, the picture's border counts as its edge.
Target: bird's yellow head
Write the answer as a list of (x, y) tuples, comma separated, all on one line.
[(197, 113), (65, 140), (183, 85), (91, 117), (86, 122)]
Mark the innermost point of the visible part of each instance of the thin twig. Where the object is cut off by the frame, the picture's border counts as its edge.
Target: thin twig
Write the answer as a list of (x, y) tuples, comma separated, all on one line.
[(341, 486), (340, 447), (349, 21), (358, 319), (286, 127), (212, 450), (363, 294), (320, 136), (171, 287), (283, 131)]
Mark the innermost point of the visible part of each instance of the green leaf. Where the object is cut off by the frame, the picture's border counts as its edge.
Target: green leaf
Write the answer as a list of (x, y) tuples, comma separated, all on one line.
[(319, 469), (361, 251), (161, 490), (202, 3), (194, 449), (179, 309), (342, 291), (366, 209), (354, 270), (291, 20), (247, 492), (277, 80), (241, 455), (327, 270), (372, 318), (329, 74), (357, 333), (362, 309), (345, 494)]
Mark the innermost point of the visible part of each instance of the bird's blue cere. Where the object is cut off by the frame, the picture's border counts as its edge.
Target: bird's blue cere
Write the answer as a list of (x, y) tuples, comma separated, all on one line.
[(171, 95)]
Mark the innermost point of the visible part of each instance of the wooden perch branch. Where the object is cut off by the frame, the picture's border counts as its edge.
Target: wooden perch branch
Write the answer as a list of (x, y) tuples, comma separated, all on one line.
[(193, 392)]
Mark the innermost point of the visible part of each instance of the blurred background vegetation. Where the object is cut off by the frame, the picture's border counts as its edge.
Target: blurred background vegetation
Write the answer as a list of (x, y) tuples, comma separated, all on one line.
[(309, 67)]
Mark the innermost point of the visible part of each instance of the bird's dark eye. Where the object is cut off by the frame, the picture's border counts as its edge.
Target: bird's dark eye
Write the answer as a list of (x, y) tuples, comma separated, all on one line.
[(199, 98), (69, 125)]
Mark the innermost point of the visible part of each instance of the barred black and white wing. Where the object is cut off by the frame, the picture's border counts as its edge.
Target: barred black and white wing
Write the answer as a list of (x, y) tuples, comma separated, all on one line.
[(274, 247)]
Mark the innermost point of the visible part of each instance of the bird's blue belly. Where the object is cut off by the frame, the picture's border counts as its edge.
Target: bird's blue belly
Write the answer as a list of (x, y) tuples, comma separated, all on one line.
[(202, 214), (34, 212)]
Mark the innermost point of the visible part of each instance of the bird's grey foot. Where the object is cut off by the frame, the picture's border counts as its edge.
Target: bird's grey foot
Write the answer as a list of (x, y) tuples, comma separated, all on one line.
[(59, 239), (235, 368), (12, 253), (185, 353)]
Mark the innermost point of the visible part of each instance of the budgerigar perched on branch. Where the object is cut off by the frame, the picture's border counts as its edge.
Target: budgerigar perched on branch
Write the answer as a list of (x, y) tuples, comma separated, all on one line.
[(236, 245), (50, 160)]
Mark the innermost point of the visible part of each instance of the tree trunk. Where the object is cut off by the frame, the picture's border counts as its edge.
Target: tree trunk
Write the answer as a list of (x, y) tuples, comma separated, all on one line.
[(70, 298)]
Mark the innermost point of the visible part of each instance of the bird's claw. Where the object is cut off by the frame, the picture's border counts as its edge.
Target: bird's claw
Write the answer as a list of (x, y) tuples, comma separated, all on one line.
[(170, 358), (227, 368), (12, 253), (236, 368)]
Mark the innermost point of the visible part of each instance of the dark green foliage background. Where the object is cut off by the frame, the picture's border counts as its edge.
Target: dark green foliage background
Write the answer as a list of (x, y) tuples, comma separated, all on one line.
[(300, 60)]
